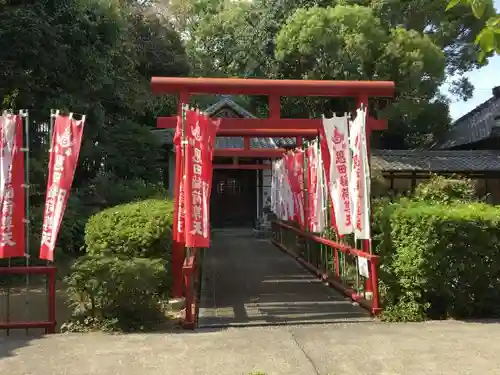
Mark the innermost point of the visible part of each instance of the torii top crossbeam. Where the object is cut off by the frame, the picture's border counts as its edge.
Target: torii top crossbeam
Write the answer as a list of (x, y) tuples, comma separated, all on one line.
[(274, 125), (286, 87)]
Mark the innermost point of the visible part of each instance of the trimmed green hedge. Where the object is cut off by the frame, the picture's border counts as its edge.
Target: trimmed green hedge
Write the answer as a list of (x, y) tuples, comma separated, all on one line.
[(140, 229), (440, 261)]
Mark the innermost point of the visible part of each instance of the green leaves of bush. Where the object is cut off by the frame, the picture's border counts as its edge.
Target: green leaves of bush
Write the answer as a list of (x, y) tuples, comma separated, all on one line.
[(121, 282), (122, 292), (140, 229), (443, 262), (440, 189)]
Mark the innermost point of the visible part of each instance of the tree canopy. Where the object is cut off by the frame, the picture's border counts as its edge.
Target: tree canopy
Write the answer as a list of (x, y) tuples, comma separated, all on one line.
[(97, 57), (94, 57), (489, 37), (416, 43)]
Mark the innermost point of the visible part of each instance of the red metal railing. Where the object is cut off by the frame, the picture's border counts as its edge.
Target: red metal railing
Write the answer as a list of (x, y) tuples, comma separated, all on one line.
[(50, 324), (334, 263), (192, 282)]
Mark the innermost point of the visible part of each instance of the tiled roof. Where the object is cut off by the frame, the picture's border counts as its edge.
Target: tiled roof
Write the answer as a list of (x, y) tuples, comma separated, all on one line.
[(237, 142), (474, 126), (227, 102), (436, 160), (165, 136)]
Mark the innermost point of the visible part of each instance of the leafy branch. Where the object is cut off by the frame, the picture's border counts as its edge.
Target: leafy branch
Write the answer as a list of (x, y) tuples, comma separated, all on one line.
[(488, 39)]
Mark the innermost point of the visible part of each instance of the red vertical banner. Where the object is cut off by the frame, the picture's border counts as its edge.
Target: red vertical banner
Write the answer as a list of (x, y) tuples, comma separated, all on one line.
[(292, 182), (295, 170), (200, 139), (12, 230), (312, 188), (65, 149), (299, 195), (327, 160)]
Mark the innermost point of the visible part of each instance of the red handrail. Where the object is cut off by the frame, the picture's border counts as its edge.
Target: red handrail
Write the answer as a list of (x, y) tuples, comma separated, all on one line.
[(374, 305)]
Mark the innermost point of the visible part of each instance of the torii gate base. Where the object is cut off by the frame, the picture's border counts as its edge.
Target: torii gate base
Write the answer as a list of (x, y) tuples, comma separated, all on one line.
[(274, 126)]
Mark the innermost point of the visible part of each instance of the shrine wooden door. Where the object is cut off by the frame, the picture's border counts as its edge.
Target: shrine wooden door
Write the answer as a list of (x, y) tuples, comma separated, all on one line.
[(233, 202)]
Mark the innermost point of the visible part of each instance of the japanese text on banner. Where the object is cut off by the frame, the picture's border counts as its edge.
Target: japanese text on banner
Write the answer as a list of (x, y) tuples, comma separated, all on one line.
[(66, 142), (360, 177), (200, 137), (12, 228), (335, 130)]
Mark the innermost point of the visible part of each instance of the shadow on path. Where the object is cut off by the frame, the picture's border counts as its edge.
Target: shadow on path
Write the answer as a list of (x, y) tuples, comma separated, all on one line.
[(247, 281), (17, 339)]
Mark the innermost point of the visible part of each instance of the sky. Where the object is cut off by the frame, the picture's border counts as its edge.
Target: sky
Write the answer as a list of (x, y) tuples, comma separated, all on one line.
[(483, 79)]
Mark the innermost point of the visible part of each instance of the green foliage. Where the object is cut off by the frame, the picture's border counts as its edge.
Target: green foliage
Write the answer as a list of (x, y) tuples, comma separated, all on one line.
[(121, 44), (413, 43), (352, 43), (107, 190), (102, 192), (350, 35), (140, 229), (440, 189), (440, 260), (379, 184), (489, 37), (116, 293), (121, 282)]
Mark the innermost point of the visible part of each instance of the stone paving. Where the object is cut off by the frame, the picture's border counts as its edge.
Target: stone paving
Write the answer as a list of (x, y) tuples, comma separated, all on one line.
[(366, 348), (248, 281)]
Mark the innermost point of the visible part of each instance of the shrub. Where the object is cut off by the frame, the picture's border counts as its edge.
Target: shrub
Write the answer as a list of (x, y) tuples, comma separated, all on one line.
[(440, 189), (443, 261), (116, 293), (71, 234), (107, 191), (140, 229), (379, 184)]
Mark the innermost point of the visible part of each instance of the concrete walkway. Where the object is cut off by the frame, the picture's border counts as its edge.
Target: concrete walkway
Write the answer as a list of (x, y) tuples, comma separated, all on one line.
[(440, 348), (265, 288), (247, 281)]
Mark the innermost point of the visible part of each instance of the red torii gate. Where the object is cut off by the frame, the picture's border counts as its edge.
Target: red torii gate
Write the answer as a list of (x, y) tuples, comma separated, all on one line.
[(274, 126)]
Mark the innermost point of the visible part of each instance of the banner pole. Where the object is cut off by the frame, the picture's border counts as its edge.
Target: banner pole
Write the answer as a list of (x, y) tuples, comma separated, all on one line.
[(187, 251), (9, 259), (53, 115), (27, 213)]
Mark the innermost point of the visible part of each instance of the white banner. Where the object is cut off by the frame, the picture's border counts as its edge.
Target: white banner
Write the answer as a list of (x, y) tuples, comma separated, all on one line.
[(275, 188), (360, 177), (337, 139), (281, 193), (317, 198)]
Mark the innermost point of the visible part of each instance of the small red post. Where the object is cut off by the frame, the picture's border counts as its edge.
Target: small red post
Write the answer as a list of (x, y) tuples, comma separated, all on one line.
[(374, 284), (189, 301), (337, 262), (52, 300)]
